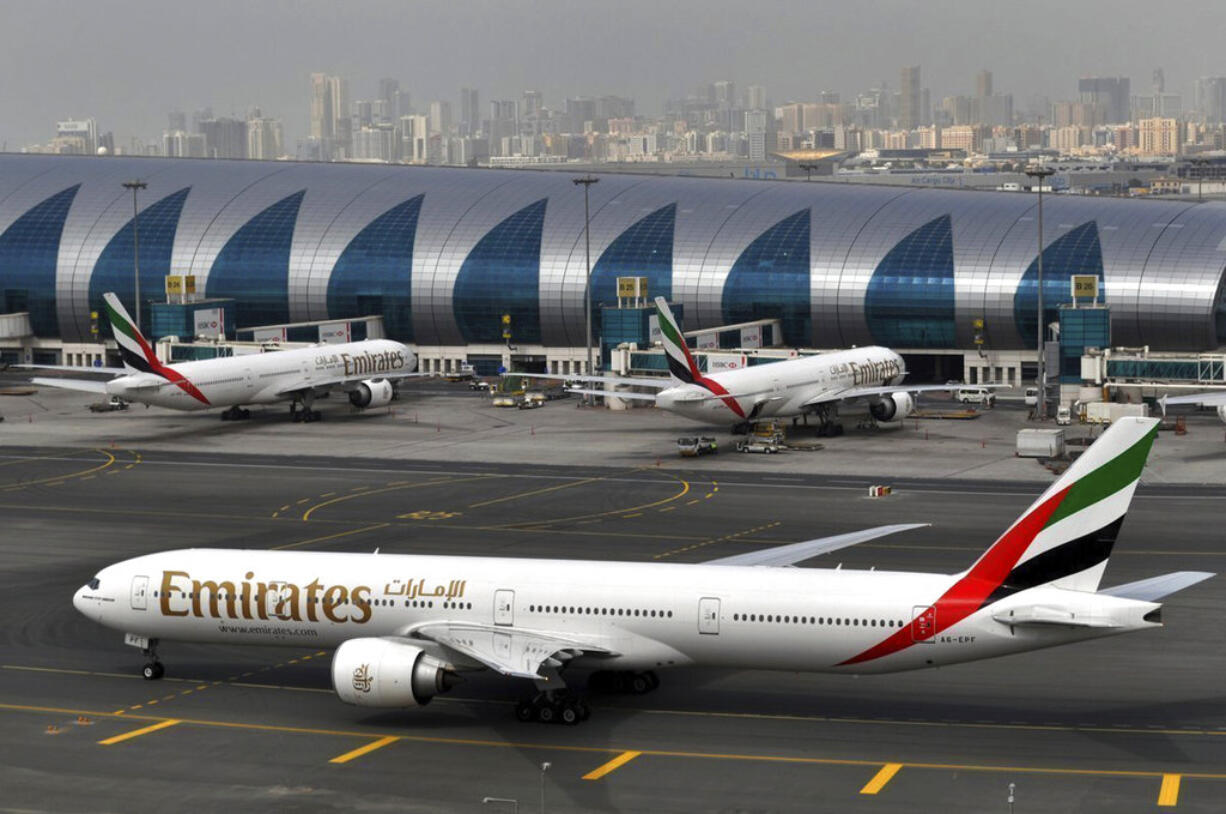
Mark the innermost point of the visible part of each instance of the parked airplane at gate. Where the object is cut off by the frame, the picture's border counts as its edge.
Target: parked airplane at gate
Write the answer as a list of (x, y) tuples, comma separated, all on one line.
[(794, 387), (405, 626), (1215, 398), (363, 370)]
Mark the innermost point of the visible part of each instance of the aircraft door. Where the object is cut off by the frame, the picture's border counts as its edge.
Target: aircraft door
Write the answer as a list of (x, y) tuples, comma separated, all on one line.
[(923, 624), (708, 615), (140, 593), (504, 607)]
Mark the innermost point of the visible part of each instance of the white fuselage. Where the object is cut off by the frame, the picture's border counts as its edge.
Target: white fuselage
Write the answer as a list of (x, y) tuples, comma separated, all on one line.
[(263, 378), (784, 389), (652, 615)]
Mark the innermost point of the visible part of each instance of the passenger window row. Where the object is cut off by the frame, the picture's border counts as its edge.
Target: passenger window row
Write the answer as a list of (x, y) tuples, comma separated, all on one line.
[(837, 621), (582, 611)]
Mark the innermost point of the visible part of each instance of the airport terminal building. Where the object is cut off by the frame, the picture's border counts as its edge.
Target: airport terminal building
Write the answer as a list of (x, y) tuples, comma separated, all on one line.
[(442, 254)]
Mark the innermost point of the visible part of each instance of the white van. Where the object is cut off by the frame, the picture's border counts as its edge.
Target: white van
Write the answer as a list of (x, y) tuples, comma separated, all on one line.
[(1032, 396), (976, 395)]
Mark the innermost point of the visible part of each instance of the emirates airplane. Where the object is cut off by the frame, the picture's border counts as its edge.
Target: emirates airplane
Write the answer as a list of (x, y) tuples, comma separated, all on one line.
[(405, 626), (364, 370), (742, 397)]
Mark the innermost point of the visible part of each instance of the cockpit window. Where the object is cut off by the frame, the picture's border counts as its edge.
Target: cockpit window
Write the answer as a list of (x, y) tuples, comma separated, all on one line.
[(94, 583)]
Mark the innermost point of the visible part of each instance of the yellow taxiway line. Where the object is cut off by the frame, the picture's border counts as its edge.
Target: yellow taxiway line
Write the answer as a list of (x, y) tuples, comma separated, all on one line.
[(136, 733), (336, 536), (1168, 795), (885, 775), (362, 750), (613, 765)]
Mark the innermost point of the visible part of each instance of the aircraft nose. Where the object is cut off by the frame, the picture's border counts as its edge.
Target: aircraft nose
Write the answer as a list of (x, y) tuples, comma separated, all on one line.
[(78, 600)]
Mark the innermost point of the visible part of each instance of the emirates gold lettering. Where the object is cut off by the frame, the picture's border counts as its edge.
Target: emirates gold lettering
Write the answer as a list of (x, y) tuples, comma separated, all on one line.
[(181, 595), (366, 363)]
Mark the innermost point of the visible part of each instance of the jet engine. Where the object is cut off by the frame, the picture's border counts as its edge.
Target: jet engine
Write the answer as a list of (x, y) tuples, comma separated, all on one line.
[(371, 393), (373, 672), (893, 407)]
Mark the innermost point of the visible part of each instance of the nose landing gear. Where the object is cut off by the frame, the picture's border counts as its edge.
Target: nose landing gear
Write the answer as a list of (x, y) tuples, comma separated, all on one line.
[(153, 669)]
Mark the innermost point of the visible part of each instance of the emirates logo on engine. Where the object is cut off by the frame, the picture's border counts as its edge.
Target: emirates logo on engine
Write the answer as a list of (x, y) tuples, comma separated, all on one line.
[(362, 678)]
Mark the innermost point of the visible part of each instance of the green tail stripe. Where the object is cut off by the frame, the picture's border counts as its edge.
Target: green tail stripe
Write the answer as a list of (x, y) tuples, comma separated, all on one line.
[(121, 324), (667, 328), (1105, 481)]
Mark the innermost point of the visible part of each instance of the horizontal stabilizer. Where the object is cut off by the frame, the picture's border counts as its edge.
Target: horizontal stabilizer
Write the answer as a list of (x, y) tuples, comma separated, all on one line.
[(798, 552), (83, 385), (1155, 588), (617, 394)]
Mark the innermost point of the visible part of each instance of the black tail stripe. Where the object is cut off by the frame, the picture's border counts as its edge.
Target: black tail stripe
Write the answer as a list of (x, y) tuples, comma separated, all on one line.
[(679, 370), (135, 360), (1062, 561)]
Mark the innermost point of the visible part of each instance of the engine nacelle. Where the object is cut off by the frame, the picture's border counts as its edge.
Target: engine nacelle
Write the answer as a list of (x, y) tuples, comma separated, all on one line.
[(386, 673), (894, 407), (372, 393)]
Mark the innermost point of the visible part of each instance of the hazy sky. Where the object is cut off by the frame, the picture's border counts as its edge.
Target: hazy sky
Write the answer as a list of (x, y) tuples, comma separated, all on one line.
[(127, 62)]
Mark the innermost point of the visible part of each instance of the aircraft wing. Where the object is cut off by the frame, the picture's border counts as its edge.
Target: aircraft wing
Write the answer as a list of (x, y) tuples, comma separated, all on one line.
[(510, 651), (112, 371), (1213, 399), (84, 385), (617, 394), (886, 390), (636, 381), (797, 552), (1155, 588)]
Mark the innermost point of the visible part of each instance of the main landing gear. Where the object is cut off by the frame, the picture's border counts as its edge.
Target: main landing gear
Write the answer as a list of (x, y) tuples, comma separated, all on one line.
[(553, 707), (153, 669), (305, 415), (235, 413)]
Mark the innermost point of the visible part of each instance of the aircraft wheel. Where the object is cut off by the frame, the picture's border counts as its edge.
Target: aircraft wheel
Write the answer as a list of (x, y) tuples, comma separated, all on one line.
[(653, 678), (545, 713), (152, 671), (640, 683), (524, 711), (569, 714)]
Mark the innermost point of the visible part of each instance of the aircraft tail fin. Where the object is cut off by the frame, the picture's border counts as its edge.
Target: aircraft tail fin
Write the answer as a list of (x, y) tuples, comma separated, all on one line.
[(135, 350), (1066, 536), (681, 365)]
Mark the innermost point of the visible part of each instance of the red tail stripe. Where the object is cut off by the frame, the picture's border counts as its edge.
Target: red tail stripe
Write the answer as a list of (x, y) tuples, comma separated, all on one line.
[(968, 594), (169, 373)]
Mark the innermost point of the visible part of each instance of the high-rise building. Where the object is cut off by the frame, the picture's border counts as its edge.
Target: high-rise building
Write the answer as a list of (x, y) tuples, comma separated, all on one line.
[(983, 83), (77, 136), (224, 137), (330, 120), (1111, 93), (440, 117), (756, 125), (1210, 100), (176, 120), (910, 99), (415, 138), (265, 139), (1158, 136), (1159, 81), (533, 103), (828, 97), (470, 111), (579, 110), (755, 97), (181, 144)]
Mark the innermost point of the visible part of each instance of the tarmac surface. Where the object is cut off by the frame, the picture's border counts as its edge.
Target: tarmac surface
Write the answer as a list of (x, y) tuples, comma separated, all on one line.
[(1132, 723)]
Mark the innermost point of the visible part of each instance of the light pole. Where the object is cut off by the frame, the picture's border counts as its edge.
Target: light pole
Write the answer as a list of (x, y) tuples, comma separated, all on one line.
[(544, 768), (808, 168), (136, 186), (1042, 174), (587, 182)]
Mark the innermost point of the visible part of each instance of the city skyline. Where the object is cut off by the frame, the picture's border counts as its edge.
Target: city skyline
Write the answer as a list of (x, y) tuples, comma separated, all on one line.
[(231, 57)]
